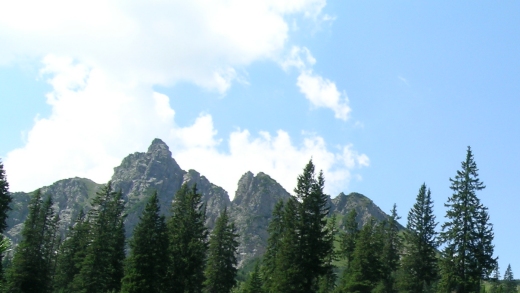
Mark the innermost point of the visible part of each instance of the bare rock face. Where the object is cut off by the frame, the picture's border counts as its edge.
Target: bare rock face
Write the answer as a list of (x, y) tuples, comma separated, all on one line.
[(214, 197), (365, 207), (251, 211), (69, 197)]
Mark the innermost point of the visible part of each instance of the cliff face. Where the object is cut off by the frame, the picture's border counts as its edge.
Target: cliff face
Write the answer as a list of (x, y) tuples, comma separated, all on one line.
[(251, 210), (141, 174)]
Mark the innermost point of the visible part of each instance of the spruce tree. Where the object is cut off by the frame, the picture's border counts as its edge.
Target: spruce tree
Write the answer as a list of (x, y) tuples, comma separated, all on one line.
[(509, 281), (71, 254), (221, 268), (275, 230), (187, 241), (496, 287), (146, 264), (314, 243), (349, 236), (287, 275), (364, 274), (391, 249), (33, 261), (5, 200), (419, 261), (254, 282), (467, 234), (101, 270)]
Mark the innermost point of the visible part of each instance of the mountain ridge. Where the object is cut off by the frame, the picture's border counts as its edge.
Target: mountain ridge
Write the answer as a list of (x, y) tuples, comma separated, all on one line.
[(142, 173)]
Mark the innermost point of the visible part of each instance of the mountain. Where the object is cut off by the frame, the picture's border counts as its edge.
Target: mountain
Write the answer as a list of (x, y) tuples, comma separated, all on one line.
[(251, 210), (142, 173)]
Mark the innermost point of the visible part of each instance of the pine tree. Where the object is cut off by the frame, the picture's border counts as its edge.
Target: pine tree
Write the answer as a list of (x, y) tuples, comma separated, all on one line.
[(71, 254), (349, 236), (313, 210), (496, 287), (221, 268), (467, 233), (187, 241), (33, 261), (419, 262), (391, 248), (365, 271), (101, 270), (509, 281), (254, 282), (5, 200), (275, 230), (147, 262), (287, 275)]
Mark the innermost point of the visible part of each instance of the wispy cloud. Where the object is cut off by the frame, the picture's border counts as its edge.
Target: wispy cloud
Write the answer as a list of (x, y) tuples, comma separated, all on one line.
[(320, 91)]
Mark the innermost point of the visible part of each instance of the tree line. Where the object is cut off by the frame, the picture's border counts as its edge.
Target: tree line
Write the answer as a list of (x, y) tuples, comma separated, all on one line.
[(308, 249)]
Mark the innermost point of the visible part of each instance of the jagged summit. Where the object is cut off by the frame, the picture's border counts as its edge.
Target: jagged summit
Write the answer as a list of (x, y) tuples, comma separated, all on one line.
[(142, 173)]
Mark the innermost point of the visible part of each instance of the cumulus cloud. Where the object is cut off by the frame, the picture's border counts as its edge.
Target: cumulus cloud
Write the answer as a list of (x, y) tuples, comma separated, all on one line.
[(321, 92), (96, 121), (103, 58), (159, 42)]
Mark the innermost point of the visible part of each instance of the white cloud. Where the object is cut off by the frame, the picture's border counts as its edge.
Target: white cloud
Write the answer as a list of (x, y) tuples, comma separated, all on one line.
[(102, 59), (159, 42), (96, 121), (321, 92)]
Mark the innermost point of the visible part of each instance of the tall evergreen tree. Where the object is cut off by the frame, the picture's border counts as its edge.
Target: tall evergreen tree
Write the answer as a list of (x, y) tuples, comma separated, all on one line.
[(272, 252), (188, 242), (390, 253), (146, 264), (419, 262), (102, 267), (33, 261), (313, 210), (349, 236), (509, 281), (5, 200), (71, 254), (496, 287), (287, 275), (467, 233), (364, 273), (254, 282), (221, 268)]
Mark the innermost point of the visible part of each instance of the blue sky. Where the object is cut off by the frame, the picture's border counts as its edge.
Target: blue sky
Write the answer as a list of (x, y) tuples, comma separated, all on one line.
[(384, 96)]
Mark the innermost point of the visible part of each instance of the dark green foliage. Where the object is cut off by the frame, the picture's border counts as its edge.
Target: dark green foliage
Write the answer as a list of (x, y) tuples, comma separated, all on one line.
[(314, 243), (509, 281), (275, 229), (221, 265), (496, 287), (349, 236), (467, 234), (187, 241), (364, 273), (392, 246), (71, 254), (102, 267), (327, 281), (34, 258), (254, 282), (146, 264), (5, 200), (287, 275), (419, 262)]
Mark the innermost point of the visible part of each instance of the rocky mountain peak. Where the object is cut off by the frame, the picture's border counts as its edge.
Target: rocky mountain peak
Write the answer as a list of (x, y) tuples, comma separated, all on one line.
[(159, 147)]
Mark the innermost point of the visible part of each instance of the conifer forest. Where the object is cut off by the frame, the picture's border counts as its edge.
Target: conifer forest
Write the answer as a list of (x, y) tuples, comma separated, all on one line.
[(309, 249)]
